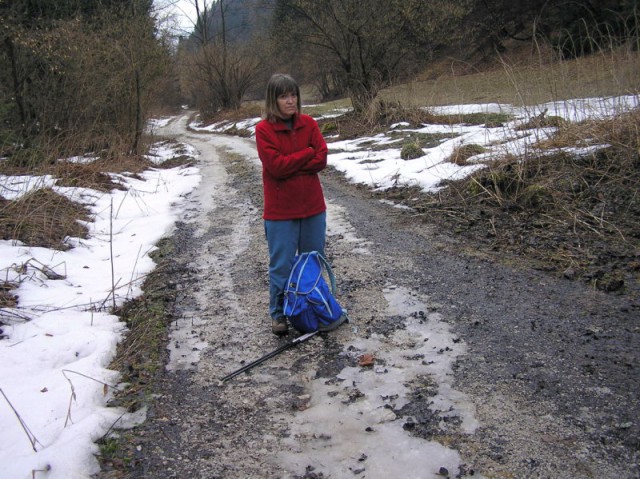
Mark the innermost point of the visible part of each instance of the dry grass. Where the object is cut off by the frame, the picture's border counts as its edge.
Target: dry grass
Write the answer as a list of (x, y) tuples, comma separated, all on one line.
[(42, 218), (525, 78), (621, 131), (7, 299), (250, 109), (577, 214), (45, 218), (382, 115), (462, 153), (84, 176), (95, 175)]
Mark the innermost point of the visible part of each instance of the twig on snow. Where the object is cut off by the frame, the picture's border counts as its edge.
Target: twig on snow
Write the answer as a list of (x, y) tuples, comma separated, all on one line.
[(32, 438)]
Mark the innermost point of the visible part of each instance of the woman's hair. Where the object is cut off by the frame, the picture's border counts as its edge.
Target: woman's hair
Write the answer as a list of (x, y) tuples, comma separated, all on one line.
[(279, 84)]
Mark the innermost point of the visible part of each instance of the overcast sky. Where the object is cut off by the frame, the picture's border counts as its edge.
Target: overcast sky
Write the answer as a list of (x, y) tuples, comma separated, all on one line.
[(183, 10)]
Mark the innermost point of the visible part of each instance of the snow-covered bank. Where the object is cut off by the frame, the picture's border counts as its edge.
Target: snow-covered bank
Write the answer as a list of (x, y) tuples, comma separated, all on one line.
[(57, 345), (375, 161)]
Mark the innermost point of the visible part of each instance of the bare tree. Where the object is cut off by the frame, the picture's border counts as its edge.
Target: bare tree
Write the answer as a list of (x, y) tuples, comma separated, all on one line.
[(219, 69), (370, 43)]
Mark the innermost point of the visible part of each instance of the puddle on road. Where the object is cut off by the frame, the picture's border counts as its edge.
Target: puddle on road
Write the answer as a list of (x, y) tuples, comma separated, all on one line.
[(338, 225), (350, 427), (222, 224)]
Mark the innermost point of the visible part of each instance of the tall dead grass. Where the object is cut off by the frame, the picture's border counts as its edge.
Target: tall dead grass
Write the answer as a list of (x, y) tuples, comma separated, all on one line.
[(42, 218), (45, 218), (527, 76), (572, 203), (588, 155)]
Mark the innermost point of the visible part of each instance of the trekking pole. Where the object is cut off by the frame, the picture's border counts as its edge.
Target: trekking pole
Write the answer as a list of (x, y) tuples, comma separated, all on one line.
[(298, 340)]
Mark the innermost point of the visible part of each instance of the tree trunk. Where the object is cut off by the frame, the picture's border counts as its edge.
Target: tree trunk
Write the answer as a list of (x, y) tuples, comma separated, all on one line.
[(17, 93), (361, 97)]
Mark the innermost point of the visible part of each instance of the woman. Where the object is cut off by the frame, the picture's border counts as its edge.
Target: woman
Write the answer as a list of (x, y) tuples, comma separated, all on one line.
[(292, 151)]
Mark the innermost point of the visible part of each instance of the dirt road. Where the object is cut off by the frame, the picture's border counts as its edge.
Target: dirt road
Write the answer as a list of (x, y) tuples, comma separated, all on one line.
[(480, 369)]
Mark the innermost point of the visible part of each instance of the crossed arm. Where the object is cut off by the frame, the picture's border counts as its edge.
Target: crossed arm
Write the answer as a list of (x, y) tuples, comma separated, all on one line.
[(309, 160)]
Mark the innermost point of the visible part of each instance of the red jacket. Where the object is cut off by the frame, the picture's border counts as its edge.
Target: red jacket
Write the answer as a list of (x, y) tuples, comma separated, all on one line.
[(291, 160)]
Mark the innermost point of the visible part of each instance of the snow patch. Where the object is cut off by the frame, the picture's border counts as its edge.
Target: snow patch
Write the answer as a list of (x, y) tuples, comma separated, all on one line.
[(339, 227), (351, 426)]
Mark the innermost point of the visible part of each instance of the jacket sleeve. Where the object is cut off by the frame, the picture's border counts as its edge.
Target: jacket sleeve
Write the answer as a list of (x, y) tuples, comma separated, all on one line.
[(278, 165), (319, 160)]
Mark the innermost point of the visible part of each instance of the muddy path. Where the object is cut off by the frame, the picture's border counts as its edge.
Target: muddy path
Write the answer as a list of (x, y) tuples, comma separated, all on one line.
[(482, 368)]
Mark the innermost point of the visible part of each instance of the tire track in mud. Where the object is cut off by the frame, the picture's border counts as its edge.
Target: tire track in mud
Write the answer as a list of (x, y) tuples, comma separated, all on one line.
[(433, 320), (263, 424)]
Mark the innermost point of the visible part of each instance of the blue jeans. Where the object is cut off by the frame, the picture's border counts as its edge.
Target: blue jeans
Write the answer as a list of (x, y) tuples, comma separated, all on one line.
[(285, 239)]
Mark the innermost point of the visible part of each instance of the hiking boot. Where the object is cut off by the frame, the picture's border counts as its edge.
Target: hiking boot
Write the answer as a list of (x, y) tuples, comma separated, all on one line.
[(279, 326)]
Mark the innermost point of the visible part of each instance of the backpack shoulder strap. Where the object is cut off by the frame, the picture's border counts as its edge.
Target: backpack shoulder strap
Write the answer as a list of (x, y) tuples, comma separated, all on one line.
[(332, 278)]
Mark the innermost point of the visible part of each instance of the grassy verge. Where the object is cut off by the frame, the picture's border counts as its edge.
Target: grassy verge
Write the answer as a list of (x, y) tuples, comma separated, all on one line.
[(45, 218), (571, 212), (142, 355), (42, 218)]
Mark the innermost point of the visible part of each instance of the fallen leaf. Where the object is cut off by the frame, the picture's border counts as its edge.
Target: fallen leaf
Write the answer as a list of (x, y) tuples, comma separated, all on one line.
[(366, 360)]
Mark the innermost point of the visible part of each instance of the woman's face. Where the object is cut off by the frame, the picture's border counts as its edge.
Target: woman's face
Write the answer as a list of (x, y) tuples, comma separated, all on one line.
[(288, 104)]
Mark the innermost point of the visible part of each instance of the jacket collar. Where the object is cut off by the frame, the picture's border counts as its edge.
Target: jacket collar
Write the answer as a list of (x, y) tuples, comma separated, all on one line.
[(280, 125)]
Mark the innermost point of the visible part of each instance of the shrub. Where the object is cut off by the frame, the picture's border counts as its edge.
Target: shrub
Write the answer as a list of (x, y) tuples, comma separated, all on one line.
[(328, 127), (411, 151), (462, 153)]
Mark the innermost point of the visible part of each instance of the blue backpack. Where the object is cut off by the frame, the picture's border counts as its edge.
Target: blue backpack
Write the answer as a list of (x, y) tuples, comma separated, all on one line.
[(308, 301)]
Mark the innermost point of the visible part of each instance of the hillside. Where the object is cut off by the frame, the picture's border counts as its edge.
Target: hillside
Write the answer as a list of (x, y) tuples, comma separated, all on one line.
[(558, 206)]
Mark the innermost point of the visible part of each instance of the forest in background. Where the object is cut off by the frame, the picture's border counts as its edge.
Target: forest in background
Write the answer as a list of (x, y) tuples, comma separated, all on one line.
[(84, 76)]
